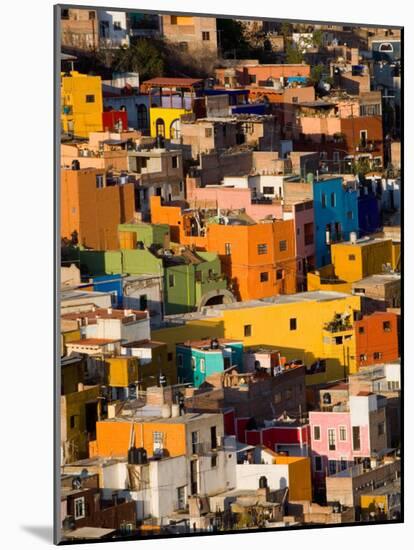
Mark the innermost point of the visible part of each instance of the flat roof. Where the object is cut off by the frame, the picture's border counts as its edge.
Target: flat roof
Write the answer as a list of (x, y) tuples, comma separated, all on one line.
[(92, 342), (150, 415), (89, 533), (124, 315), (161, 81), (380, 278)]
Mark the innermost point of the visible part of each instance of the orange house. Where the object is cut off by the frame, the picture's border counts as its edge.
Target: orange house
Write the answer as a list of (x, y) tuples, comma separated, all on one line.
[(376, 338), (258, 259), (112, 437), (94, 209)]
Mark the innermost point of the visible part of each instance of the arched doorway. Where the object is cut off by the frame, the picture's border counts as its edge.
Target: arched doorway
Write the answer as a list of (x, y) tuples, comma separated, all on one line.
[(142, 117), (160, 127), (175, 129), (215, 298)]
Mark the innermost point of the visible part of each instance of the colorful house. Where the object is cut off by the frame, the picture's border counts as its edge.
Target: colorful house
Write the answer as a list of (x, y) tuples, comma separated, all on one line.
[(258, 258), (197, 360), (336, 215), (346, 433), (170, 98), (93, 227), (81, 101)]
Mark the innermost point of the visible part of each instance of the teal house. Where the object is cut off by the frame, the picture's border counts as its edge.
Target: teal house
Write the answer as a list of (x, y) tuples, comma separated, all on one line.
[(199, 359)]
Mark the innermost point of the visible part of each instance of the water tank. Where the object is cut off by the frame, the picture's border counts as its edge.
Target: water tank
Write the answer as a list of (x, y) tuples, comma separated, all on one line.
[(160, 142), (262, 482), (75, 164), (166, 411), (141, 456), (132, 455), (175, 410), (353, 237)]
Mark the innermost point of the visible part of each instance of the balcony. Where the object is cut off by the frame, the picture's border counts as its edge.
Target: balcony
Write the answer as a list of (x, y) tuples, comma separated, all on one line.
[(367, 147)]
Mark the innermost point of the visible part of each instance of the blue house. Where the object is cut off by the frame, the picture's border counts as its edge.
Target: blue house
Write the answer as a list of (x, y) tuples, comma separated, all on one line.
[(112, 284), (198, 359), (369, 217), (335, 207)]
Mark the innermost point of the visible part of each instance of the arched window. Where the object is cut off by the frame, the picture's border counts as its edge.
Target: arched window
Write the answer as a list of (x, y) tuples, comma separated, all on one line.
[(142, 116), (386, 47), (160, 127), (326, 398), (175, 129)]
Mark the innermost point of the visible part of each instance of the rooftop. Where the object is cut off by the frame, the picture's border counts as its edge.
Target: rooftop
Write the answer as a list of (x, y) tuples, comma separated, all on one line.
[(379, 279), (152, 414), (179, 82), (149, 344), (92, 342), (124, 315)]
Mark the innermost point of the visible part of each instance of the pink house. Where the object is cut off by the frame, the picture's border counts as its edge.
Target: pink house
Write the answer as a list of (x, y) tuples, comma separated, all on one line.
[(348, 433), (303, 219), (230, 198)]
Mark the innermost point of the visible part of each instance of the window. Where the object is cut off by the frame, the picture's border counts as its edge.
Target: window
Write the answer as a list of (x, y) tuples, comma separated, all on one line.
[(181, 500), (143, 302), (193, 363), (332, 467), (64, 14), (351, 257), (90, 98), (268, 190), (335, 156), (202, 365), (227, 248), (194, 442), (247, 330), (252, 78), (117, 26), (363, 357), (393, 385), (342, 433), (179, 359), (295, 99), (79, 507), (262, 248), (173, 20), (381, 428), (386, 47), (157, 443), (338, 340), (308, 228), (317, 433), (206, 35), (279, 274), (142, 116), (323, 200), (171, 280), (292, 324), (264, 277), (213, 437), (208, 132), (318, 463), (282, 246), (377, 355), (91, 15), (170, 356), (174, 162), (160, 127), (350, 215), (386, 325), (333, 200), (331, 439), (343, 464), (99, 179), (356, 438), (72, 421), (361, 330)]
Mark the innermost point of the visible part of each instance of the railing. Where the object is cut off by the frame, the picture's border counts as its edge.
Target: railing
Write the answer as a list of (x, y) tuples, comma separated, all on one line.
[(367, 147)]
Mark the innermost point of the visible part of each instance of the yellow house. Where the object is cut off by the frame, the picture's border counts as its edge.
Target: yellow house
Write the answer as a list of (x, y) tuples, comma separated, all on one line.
[(294, 324), (324, 278), (300, 483), (165, 121), (122, 371), (355, 261), (81, 104)]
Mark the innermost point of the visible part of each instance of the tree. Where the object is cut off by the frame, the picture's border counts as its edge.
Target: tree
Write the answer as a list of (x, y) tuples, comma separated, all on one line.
[(317, 38), (144, 57), (231, 37), (293, 54)]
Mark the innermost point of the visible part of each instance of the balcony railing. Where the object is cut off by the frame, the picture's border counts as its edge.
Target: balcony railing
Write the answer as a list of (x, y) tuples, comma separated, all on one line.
[(367, 147)]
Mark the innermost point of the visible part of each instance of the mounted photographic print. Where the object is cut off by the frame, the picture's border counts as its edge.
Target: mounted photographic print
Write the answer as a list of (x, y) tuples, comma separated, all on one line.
[(228, 274)]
